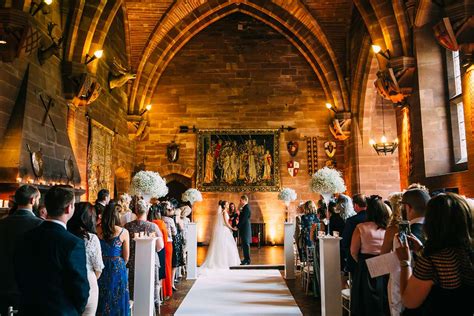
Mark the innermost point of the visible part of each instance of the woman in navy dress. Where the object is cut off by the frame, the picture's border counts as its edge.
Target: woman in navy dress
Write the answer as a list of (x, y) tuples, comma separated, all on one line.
[(113, 282)]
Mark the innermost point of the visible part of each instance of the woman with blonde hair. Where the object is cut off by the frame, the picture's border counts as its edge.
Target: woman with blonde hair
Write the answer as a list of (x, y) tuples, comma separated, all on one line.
[(126, 215)]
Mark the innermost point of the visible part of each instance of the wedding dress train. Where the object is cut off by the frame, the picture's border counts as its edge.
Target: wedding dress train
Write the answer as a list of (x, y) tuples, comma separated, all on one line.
[(222, 252)]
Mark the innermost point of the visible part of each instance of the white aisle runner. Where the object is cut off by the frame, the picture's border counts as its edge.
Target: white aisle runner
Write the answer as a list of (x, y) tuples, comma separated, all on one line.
[(233, 292)]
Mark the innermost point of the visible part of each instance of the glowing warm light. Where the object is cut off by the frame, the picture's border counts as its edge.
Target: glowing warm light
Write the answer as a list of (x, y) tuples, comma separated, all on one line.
[(383, 139), (328, 106), (3, 42), (372, 142), (48, 2), (19, 180), (99, 53), (376, 48), (396, 140), (148, 107)]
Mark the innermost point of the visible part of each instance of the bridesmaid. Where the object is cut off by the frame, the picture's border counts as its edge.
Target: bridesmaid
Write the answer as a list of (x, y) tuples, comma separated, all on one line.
[(83, 225), (113, 283)]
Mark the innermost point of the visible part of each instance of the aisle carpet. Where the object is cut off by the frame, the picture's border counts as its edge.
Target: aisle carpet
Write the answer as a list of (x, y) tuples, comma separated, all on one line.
[(234, 292)]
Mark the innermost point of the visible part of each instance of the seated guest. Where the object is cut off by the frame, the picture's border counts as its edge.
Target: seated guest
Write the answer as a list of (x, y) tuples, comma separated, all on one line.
[(141, 225), (113, 282), (360, 206), (58, 284), (369, 295), (443, 278), (103, 198), (83, 225), (12, 228)]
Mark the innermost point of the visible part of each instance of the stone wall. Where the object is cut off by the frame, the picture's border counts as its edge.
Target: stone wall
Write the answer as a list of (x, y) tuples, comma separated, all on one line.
[(230, 78)]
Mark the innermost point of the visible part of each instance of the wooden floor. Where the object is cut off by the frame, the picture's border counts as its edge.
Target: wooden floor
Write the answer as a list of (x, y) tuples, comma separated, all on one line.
[(263, 256)]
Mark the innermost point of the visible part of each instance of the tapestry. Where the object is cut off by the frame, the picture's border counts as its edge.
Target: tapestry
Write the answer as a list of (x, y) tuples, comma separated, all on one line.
[(238, 160), (99, 160)]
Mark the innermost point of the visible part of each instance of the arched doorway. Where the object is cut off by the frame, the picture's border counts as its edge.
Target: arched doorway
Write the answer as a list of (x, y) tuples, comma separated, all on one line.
[(177, 184)]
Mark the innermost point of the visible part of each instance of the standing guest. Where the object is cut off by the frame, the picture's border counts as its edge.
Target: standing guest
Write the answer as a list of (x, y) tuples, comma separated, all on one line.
[(369, 295), (171, 227), (103, 198), (389, 244), (141, 225), (154, 216), (298, 237), (307, 220), (234, 220), (360, 207), (345, 207), (185, 212), (126, 215), (113, 282), (83, 225), (58, 284), (443, 277), (12, 228), (41, 212), (245, 228), (414, 202), (179, 243), (418, 186)]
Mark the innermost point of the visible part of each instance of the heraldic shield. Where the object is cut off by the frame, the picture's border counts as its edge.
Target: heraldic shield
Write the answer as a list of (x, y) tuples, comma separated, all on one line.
[(292, 147), (293, 167)]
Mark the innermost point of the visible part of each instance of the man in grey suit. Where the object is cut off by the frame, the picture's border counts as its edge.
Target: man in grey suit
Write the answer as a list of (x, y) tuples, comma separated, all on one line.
[(244, 227), (11, 229)]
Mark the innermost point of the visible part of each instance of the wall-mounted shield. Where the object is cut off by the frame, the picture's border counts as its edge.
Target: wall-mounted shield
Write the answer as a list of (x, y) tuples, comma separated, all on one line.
[(293, 167), (292, 147), (172, 151), (330, 148)]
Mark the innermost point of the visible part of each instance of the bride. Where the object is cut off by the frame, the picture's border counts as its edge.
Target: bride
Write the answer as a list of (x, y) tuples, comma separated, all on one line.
[(222, 252)]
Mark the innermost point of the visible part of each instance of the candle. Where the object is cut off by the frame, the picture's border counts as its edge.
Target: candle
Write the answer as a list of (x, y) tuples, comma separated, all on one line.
[(31, 181), (18, 180)]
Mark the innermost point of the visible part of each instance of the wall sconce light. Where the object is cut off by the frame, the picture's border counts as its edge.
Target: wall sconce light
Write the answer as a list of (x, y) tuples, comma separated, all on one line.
[(185, 129), (378, 50), (287, 128), (330, 107), (97, 55), (36, 7), (146, 109)]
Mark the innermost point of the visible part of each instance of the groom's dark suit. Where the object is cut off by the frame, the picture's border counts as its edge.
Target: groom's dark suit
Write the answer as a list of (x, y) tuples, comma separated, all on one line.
[(245, 232)]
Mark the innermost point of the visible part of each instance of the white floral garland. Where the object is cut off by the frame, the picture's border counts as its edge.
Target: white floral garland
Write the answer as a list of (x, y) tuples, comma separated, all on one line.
[(148, 183), (191, 196), (327, 181), (287, 195)]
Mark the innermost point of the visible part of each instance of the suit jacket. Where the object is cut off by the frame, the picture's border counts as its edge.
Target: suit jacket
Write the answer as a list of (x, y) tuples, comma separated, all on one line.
[(244, 224), (349, 228), (99, 208), (11, 229), (50, 268)]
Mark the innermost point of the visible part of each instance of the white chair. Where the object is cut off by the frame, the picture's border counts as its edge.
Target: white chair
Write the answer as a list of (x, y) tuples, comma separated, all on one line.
[(346, 300)]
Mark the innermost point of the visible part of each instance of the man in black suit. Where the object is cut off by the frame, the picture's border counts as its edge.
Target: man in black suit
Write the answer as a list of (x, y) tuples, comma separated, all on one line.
[(360, 206), (50, 262), (414, 202), (103, 198), (245, 230), (11, 228)]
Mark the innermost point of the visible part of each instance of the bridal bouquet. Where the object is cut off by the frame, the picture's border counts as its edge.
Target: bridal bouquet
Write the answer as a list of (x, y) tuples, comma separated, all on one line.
[(191, 196), (287, 195), (148, 184), (327, 181)]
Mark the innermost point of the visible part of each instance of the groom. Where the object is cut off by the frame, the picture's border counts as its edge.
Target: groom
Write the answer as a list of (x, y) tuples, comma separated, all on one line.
[(244, 228)]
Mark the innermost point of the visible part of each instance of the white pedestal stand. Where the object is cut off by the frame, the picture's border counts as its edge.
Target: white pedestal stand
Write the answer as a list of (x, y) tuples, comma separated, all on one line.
[(191, 246), (144, 285), (289, 251), (330, 276)]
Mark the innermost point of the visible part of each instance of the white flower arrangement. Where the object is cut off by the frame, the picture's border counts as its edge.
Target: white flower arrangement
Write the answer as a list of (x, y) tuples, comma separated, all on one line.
[(327, 181), (149, 184), (191, 196), (287, 195)]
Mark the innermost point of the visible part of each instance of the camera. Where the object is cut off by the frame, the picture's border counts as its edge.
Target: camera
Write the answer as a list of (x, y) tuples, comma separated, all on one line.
[(404, 230)]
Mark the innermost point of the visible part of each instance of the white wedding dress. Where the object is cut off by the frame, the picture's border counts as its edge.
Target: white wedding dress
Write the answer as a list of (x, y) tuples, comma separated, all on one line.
[(222, 252)]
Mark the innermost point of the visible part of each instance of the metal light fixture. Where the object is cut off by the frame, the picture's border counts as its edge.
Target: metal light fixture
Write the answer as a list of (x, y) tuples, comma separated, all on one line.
[(378, 50), (384, 146), (36, 7), (287, 128), (146, 109), (97, 55), (330, 107)]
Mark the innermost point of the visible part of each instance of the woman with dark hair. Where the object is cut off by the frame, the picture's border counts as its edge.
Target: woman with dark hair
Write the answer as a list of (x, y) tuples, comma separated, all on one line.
[(234, 219), (369, 295), (154, 216), (115, 245), (83, 225), (443, 278)]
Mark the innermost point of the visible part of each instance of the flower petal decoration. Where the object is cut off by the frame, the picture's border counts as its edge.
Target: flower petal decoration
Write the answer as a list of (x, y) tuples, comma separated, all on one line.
[(287, 195), (327, 181), (191, 196), (148, 183)]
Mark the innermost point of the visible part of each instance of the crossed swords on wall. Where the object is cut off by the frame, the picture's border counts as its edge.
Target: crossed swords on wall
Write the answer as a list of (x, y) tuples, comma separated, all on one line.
[(48, 105)]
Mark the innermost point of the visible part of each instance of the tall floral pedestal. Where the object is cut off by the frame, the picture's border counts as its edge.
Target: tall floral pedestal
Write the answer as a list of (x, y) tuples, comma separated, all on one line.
[(144, 284), (330, 268), (191, 247), (289, 251)]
